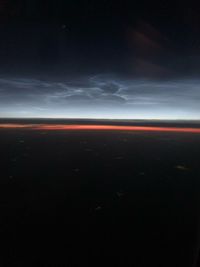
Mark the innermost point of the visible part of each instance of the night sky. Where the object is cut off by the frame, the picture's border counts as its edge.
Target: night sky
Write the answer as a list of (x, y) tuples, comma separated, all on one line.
[(100, 59)]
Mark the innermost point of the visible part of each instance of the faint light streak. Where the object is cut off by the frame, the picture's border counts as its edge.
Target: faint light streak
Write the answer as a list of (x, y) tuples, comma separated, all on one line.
[(93, 127)]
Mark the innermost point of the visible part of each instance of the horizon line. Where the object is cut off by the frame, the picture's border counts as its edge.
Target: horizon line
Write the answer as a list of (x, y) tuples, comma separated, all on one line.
[(93, 127), (100, 119)]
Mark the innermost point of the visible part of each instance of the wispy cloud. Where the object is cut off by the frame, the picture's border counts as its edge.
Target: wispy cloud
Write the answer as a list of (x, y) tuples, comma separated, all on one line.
[(100, 95)]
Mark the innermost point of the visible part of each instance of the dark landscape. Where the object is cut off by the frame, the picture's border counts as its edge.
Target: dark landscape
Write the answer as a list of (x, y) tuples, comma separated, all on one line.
[(99, 198)]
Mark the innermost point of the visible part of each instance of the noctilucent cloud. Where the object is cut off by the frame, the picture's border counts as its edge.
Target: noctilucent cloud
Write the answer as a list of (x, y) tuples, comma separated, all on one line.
[(100, 97)]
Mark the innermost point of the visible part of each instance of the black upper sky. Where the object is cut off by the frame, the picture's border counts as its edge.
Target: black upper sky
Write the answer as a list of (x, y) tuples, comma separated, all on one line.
[(137, 38)]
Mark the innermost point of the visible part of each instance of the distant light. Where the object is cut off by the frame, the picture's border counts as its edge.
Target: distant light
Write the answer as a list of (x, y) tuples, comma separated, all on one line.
[(93, 127)]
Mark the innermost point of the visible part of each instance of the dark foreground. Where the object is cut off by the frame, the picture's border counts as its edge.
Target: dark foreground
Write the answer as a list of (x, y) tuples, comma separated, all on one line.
[(95, 198)]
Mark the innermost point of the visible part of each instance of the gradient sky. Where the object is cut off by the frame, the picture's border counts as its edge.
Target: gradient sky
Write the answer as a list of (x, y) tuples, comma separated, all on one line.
[(100, 97), (100, 59)]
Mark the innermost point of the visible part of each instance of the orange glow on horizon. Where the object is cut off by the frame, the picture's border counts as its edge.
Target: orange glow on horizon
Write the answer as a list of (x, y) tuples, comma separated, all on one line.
[(93, 127)]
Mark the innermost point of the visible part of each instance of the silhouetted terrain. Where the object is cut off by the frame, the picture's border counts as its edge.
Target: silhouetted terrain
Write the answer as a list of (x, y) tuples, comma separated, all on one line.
[(97, 198)]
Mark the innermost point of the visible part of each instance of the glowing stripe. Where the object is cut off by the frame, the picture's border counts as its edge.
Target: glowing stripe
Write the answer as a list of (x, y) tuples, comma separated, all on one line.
[(77, 127), (15, 126)]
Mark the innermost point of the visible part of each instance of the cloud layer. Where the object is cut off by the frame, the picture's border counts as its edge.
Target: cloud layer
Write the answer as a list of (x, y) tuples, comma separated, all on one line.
[(100, 97)]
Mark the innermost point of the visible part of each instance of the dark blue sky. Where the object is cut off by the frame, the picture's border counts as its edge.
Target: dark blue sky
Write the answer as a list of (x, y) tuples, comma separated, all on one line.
[(136, 38)]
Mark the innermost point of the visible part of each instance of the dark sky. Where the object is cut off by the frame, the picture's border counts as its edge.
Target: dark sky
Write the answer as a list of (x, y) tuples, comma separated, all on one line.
[(129, 59), (145, 38)]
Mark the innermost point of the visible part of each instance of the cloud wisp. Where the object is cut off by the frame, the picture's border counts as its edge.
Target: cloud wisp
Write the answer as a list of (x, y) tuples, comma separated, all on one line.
[(100, 97)]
